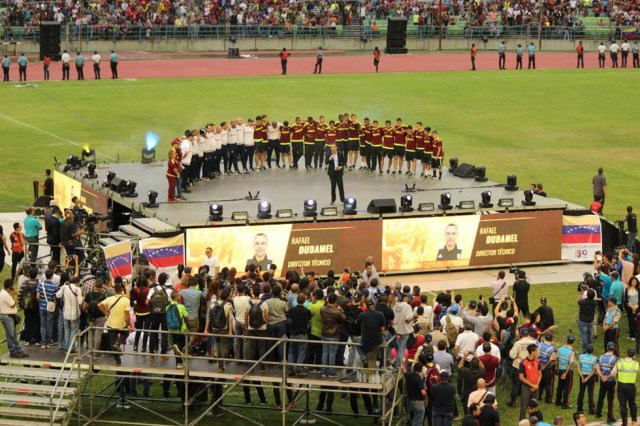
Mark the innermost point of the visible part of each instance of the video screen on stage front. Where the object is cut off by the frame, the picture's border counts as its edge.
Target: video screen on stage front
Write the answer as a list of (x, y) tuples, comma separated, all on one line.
[(397, 245), (65, 188)]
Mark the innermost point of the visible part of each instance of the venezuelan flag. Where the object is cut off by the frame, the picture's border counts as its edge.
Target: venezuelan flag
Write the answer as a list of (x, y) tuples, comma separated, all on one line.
[(164, 252), (629, 33), (584, 229), (118, 258)]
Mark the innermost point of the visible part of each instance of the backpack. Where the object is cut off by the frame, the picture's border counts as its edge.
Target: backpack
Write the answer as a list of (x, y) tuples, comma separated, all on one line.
[(351, 314), (217, 317), (159, 301), (411, 341), (92, 309), (452, 331), (256, 318), (29, 300), (174, 320), (431, 377)]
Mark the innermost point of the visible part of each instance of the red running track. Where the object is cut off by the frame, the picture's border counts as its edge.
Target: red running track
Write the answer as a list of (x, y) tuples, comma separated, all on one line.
[(342, 64)]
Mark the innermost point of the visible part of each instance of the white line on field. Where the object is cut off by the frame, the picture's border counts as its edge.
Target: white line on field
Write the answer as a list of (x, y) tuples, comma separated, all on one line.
[(46, 132)]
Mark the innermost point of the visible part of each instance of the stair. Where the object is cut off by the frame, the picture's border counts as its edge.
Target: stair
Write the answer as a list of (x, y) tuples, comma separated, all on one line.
[(25, 395)]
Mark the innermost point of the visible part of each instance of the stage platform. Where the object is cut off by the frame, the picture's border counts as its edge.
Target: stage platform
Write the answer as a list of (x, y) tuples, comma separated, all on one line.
[(288, 189)]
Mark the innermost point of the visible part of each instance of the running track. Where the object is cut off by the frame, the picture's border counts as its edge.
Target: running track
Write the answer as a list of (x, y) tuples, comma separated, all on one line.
[(157, 66)]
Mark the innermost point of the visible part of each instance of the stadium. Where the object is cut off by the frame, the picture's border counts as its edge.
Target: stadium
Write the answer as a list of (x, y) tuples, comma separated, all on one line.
[(131, 281)]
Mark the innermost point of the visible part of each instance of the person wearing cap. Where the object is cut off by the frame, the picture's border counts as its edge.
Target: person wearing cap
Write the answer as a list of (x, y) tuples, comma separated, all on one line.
[(489, 415), (566, 359), (529, 375), (444, 400), (548, 357), (604, 368), (455, 319), (518, 353), (626, 371), (547, 319), (403, 317), (427, 347), (611, 321), (587, 371)]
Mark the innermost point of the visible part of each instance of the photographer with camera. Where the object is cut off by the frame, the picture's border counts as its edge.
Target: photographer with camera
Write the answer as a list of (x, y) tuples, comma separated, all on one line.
[(10, 319), (71, 236), (521, 290)]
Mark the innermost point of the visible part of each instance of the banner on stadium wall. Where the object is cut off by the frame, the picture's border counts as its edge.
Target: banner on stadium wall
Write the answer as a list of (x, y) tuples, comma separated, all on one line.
[(581, 237), (397, 245)]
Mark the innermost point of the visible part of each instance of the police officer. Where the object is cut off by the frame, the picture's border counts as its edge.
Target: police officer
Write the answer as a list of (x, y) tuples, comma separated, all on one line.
[(587, 371), (566, 359), (626, 370), (548, 360), (604, 367), (611, 321)]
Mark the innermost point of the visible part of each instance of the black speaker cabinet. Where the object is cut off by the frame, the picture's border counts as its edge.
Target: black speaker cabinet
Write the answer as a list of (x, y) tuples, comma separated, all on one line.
[(465, 170), (50, 40), (382, 206), (396, 36)]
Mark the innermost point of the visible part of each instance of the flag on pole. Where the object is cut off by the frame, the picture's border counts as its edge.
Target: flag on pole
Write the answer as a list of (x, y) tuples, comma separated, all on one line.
[(163, 252), (118, 258)]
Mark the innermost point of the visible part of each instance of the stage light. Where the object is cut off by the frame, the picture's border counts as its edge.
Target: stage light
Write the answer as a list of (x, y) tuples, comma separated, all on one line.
[(486, 200), (107, 182), (215, 212), (310, 208), (467, 205), (426, 207), (240, 216), (350, 206), (329, 211), (118, 185), (406, 201), (481, 174), (284, 213), (73, 163), (91, 171), (88, 154), (264, 210), (506, 202), (528, 198), (453, 164), (148, 155), (130, 189), (512, 183), (445, 201), (152, 203)]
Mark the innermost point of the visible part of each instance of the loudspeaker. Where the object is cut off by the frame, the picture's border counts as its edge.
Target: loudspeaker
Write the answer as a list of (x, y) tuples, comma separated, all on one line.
[(396, 35), (382, 206), (50, 40), (465, 170), (118, 185)]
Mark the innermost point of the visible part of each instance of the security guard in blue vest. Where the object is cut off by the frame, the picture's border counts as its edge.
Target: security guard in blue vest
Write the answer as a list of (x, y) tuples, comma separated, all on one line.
[(587, 371), (548, 360), (604, 367), (566, 359), (626, 370)]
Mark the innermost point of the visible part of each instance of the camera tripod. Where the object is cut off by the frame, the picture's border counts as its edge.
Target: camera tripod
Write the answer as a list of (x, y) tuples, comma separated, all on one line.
[(91, 247)]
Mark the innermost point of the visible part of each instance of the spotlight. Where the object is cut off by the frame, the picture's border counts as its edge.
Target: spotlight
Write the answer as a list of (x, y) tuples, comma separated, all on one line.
[(92, 171), (88, 154), (406, 201), (130, 189), (453, 164), (215, 212), (486, 200), (284, 213), (445, 201), (512, 183), (152, 203), (426, 207), (107, 181), (264, 210), (240, 216), (467, 204), (350, 205), (481, 174), (528, 198), (73, 162), (506, 202), (149, 151), (148, 156), (329, 211), (310, 208)]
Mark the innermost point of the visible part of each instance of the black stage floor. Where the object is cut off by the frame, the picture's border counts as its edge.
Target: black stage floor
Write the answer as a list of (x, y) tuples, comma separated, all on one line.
[(287, 189)]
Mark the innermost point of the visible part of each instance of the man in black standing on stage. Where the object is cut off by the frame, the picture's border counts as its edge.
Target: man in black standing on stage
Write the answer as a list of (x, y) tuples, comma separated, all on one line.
[(335, 163), (47, 186)]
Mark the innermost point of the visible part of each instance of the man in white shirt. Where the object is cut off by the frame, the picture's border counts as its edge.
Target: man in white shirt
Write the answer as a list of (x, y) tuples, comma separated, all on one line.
[(273, 144), (224, 149), (66, 58), (249, 146), (207, 153), (613, 53), (96, 65), (217, 150), (624, 48), (233, 139), (466, 343), (8, 311), (71, 296), (198, 154), (211, 261), (186, 147), (601, 51), (240, 304)]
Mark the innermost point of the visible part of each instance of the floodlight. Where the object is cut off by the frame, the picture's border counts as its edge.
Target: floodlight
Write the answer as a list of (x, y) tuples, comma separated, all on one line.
[(310, 208), (481, 174), (329, 211), (88, 154), (406, 203), (426, 207), (284, 213), (453, 164), (528, 198), (350, 206), (467, 204), (215, 212), (506, 202), (148, 156), (107, 181), (240, 216), (512, 183), (445, 201), (73, 162), (91, 171), (486, 200), (152, 203), (264, 210), (130, 189)]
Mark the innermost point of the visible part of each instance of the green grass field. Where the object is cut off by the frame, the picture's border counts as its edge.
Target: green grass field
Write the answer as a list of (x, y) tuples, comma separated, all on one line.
[(556, 126)]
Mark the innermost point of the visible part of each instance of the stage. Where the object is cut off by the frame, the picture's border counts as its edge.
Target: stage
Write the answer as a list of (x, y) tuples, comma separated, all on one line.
[(288, 189)]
